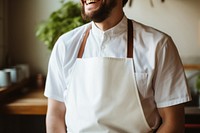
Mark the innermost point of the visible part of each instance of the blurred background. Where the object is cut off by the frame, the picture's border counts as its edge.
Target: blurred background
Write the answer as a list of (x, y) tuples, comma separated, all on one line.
[(18, 45)]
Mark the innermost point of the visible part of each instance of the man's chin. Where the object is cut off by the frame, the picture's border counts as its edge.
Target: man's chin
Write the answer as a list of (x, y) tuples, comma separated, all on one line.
[(89, 15)]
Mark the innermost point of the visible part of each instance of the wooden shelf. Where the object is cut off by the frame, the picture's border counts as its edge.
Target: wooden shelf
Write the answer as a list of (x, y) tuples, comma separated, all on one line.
[(192, 66), (32, 102), (23, 98), (14, 87), (192, 110)]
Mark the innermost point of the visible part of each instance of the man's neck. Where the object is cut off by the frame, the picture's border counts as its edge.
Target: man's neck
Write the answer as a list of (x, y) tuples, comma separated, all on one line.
[(115, 17)]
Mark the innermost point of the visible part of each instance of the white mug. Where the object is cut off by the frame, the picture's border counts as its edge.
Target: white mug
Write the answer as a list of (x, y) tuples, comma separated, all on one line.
[(13, 74), (25, 70), (20, 74), (5, 79)]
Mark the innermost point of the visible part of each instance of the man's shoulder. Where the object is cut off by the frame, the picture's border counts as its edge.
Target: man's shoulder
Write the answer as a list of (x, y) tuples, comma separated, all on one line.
[(150, 36), (71, 39), (77, 32), (144, 29)]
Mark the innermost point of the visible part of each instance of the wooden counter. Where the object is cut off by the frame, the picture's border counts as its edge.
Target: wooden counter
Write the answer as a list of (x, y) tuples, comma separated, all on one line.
[(192, 66), (31, 102)]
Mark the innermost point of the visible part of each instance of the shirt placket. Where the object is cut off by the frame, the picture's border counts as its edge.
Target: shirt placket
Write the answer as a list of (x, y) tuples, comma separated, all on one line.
[(103, 45)]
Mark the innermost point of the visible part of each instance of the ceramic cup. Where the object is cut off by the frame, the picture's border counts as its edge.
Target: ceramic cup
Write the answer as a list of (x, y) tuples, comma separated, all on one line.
[(20, 74), (13, 74), (25, 70), (5, 78)]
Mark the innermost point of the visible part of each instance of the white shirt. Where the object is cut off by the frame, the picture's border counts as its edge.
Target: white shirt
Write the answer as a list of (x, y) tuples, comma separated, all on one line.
[(159, 72)]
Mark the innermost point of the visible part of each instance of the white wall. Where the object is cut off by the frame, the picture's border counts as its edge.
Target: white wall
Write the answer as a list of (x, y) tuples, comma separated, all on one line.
[(179, 18), (1, 34), (24, 47)]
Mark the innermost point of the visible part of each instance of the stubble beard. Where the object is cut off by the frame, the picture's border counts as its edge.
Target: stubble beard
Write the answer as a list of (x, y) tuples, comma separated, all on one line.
[(101, 14)]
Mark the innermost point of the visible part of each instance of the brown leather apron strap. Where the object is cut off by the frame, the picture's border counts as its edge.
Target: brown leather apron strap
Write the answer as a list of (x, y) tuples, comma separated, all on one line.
[(130, 41), (81, 50)]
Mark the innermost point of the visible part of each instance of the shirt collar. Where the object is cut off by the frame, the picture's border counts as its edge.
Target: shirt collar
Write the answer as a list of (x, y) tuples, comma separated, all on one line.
[(114, 31)]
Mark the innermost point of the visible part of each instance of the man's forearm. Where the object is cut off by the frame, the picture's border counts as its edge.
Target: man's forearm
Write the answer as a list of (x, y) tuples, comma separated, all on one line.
[(55, 118), (173, 119), (168, 128), (55, 125)]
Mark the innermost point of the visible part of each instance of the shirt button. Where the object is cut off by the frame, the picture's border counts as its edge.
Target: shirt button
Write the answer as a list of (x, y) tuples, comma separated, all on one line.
[(103, 47)]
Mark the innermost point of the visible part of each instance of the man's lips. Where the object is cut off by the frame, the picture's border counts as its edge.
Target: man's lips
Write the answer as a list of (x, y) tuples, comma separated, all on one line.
[(91, 5), (90, 1)]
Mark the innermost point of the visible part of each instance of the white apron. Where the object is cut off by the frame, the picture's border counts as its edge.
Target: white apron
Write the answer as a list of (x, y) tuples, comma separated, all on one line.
[(102, 96)]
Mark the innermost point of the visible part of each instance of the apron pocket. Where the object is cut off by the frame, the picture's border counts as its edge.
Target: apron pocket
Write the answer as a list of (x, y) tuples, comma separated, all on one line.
[(141, 81)]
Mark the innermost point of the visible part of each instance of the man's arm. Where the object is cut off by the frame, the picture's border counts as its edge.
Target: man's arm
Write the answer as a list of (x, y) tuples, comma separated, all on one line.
[(55, 119), (173, 119)]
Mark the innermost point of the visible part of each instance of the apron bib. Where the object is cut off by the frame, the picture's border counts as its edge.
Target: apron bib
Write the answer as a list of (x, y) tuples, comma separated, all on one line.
[(102, 95)]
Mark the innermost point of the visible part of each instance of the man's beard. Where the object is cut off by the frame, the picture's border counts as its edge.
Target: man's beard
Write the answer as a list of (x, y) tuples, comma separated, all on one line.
[(102, 13)]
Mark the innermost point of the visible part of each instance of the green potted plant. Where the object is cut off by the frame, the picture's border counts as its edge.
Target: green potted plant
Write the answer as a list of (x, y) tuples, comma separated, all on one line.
[(59, 22), (198, 83), (198, 88)]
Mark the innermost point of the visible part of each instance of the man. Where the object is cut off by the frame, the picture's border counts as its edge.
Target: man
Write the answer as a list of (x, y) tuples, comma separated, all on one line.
[(115, 75)]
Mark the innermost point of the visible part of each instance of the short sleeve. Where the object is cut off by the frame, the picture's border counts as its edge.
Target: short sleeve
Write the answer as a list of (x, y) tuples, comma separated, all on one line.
[(170, 83), (54, 83)]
